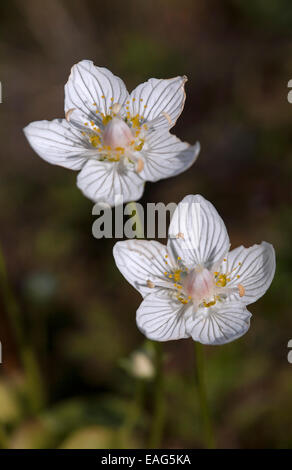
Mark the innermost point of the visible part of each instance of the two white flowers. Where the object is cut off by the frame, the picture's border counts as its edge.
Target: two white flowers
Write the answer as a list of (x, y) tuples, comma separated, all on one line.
[(193, 287)]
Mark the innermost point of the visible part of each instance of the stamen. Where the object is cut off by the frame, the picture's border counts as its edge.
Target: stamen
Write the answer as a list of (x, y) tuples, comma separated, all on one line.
[(140, 165), (241, 290), (68, 114), (150, 284)]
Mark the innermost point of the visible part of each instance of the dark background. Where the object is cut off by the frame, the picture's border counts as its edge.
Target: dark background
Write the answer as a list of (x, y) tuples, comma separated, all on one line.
[(77, 311)]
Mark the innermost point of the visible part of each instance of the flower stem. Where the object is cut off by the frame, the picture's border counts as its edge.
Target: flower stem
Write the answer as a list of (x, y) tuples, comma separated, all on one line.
[(156, 431), (159, 405), (27, 356), (133, 415), (201, 383)]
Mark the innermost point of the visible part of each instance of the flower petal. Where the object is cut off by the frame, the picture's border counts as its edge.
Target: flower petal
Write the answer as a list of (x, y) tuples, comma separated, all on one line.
[(90, 88), (220, 324), (255, 267), (159, 101), (165, 155), (197, 233), (140, 261), (162, 318), (57, 142), (103, 181)]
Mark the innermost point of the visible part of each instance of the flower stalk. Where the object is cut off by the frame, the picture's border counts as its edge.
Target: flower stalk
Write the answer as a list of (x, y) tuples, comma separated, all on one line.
[(202, 394), (159, 407), (156, 431)]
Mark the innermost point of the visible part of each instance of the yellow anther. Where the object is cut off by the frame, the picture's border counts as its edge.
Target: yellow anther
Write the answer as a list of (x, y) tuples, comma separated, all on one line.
[(94, 140), (106, 119), (221, 280), (136, 121), (139, 146), (177, 275), (209, 304)]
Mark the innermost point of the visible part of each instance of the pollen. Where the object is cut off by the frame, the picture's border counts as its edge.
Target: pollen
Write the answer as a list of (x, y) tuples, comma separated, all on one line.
[(136, 121), (139, 147), (209, 304), (177, 274), (221, 280), (106, 119), (182, 299), (94, 140)]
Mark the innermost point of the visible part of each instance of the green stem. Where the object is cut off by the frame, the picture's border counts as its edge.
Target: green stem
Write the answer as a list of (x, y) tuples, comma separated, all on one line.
[(133, 415), (159, 405), (200, 374), (157, 427), (27, 356)]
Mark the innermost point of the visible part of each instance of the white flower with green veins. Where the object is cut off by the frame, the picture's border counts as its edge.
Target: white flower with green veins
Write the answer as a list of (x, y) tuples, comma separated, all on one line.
[(118, 140), (195, 287)]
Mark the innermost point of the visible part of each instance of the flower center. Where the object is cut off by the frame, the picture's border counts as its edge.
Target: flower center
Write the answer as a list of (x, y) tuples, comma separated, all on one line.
[(199, 285), (117, 134), (116, 138)]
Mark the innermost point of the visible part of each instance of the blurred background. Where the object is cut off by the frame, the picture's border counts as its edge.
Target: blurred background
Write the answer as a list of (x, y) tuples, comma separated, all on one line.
[(77, 313)]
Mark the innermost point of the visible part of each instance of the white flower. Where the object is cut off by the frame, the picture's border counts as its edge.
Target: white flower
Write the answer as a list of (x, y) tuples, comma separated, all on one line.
[(194, 286), (117, 140)]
